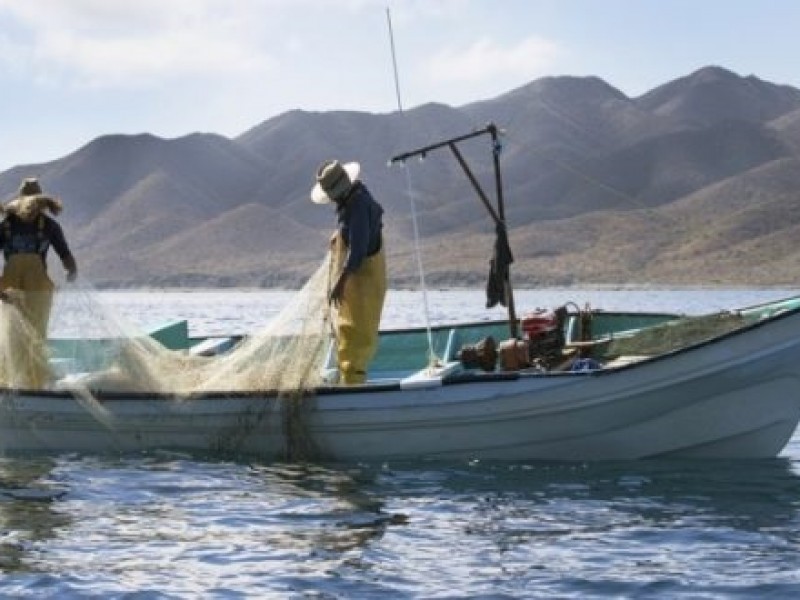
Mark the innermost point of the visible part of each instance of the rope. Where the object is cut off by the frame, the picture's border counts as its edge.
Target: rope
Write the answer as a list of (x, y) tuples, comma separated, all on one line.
[(432, 358)]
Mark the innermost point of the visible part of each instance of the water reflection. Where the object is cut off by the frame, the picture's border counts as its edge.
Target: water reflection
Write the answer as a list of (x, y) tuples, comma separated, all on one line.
[(230, 527), (339, 509), (745, 495), (578, 530), (162, 511), (28, 517)]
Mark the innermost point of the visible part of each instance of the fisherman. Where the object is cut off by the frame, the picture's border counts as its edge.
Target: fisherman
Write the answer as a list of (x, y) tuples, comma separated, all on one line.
[(357, 248), (26, 234)]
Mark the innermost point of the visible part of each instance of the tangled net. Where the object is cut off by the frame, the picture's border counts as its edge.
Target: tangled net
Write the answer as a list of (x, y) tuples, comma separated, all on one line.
[(676, 334), (286, 357)]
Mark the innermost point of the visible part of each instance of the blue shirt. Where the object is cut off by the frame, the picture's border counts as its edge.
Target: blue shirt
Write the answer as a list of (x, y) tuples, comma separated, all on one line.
[(35, 237), (360, 220)]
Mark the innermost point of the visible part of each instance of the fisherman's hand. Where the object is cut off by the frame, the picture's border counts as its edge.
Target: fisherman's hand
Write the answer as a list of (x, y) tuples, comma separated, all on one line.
[(70, 266)]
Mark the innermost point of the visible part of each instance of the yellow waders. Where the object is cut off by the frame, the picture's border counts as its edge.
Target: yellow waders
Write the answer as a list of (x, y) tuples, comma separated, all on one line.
[(27, 274), (359, 315)]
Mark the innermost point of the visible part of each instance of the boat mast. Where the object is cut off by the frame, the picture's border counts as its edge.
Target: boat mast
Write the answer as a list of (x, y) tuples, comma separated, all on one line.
[(498, 214)]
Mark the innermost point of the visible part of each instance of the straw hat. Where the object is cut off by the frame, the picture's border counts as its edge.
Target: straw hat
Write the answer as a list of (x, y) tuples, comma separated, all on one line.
[(31, 202), (30, 187), (334, 180)]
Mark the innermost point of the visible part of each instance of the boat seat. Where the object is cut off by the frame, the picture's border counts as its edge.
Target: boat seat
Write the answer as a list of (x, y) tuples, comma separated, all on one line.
[(429, 377), (589, 348), (622, 361), (213, 346)]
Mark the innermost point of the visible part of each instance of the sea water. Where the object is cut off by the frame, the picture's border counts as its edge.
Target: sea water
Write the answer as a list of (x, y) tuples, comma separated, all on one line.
[(170, 525)]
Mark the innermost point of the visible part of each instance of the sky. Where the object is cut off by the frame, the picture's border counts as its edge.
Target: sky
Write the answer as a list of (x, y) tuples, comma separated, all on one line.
[(74, 70)]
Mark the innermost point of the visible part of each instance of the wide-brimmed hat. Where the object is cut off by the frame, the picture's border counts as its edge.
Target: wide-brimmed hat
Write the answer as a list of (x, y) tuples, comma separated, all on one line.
[(30, 187), (334, 180)]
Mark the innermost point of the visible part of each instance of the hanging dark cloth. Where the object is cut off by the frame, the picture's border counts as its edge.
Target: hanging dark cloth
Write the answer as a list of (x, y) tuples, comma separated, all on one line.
[(498, 273)]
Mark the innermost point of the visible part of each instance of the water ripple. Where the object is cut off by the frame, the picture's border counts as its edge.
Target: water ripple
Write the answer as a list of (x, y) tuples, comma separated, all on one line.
[(170, 525)]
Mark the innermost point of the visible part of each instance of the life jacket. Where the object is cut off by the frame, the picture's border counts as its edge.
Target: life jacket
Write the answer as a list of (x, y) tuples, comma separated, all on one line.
[(18, 241)]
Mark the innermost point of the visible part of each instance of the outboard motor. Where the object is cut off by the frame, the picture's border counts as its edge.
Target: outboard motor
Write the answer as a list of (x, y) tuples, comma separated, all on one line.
[(543, 329)]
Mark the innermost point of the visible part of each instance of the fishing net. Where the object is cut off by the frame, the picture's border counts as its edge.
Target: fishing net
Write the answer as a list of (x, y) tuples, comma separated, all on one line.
[(673, 335), (110, 354)]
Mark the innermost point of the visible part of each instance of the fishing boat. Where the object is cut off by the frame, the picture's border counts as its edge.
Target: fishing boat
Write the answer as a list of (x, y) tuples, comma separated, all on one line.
[(733, 395), (565, 384)]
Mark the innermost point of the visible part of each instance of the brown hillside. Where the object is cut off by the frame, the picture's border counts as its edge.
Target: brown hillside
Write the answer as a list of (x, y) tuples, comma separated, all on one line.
[(695, 182)]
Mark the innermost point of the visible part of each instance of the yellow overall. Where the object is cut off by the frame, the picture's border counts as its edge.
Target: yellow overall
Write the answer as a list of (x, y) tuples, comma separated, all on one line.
[(359, 314), (26, 273)]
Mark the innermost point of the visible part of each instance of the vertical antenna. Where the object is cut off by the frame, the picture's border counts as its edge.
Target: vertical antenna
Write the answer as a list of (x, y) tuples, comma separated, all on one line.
[(394, 61), (431, 355)]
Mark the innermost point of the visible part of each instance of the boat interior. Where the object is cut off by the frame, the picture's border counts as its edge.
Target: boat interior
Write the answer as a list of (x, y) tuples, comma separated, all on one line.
[(558, 341)]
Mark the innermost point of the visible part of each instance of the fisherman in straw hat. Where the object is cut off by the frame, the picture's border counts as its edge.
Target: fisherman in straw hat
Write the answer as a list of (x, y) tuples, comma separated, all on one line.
[(359, 288), (26, 234)]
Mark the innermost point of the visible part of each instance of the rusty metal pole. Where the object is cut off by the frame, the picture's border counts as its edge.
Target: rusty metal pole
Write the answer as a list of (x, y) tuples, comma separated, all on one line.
[(501, 212), (498, 216)]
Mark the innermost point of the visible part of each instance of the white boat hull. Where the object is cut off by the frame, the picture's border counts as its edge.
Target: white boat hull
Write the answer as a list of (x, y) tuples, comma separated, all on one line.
[(735, 397)]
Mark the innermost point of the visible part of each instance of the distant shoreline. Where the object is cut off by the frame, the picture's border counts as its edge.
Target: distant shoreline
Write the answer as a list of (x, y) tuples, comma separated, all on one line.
[(586, 287)]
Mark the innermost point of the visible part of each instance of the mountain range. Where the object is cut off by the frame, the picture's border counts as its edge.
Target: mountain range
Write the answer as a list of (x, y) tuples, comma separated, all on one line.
[(696, 182)]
